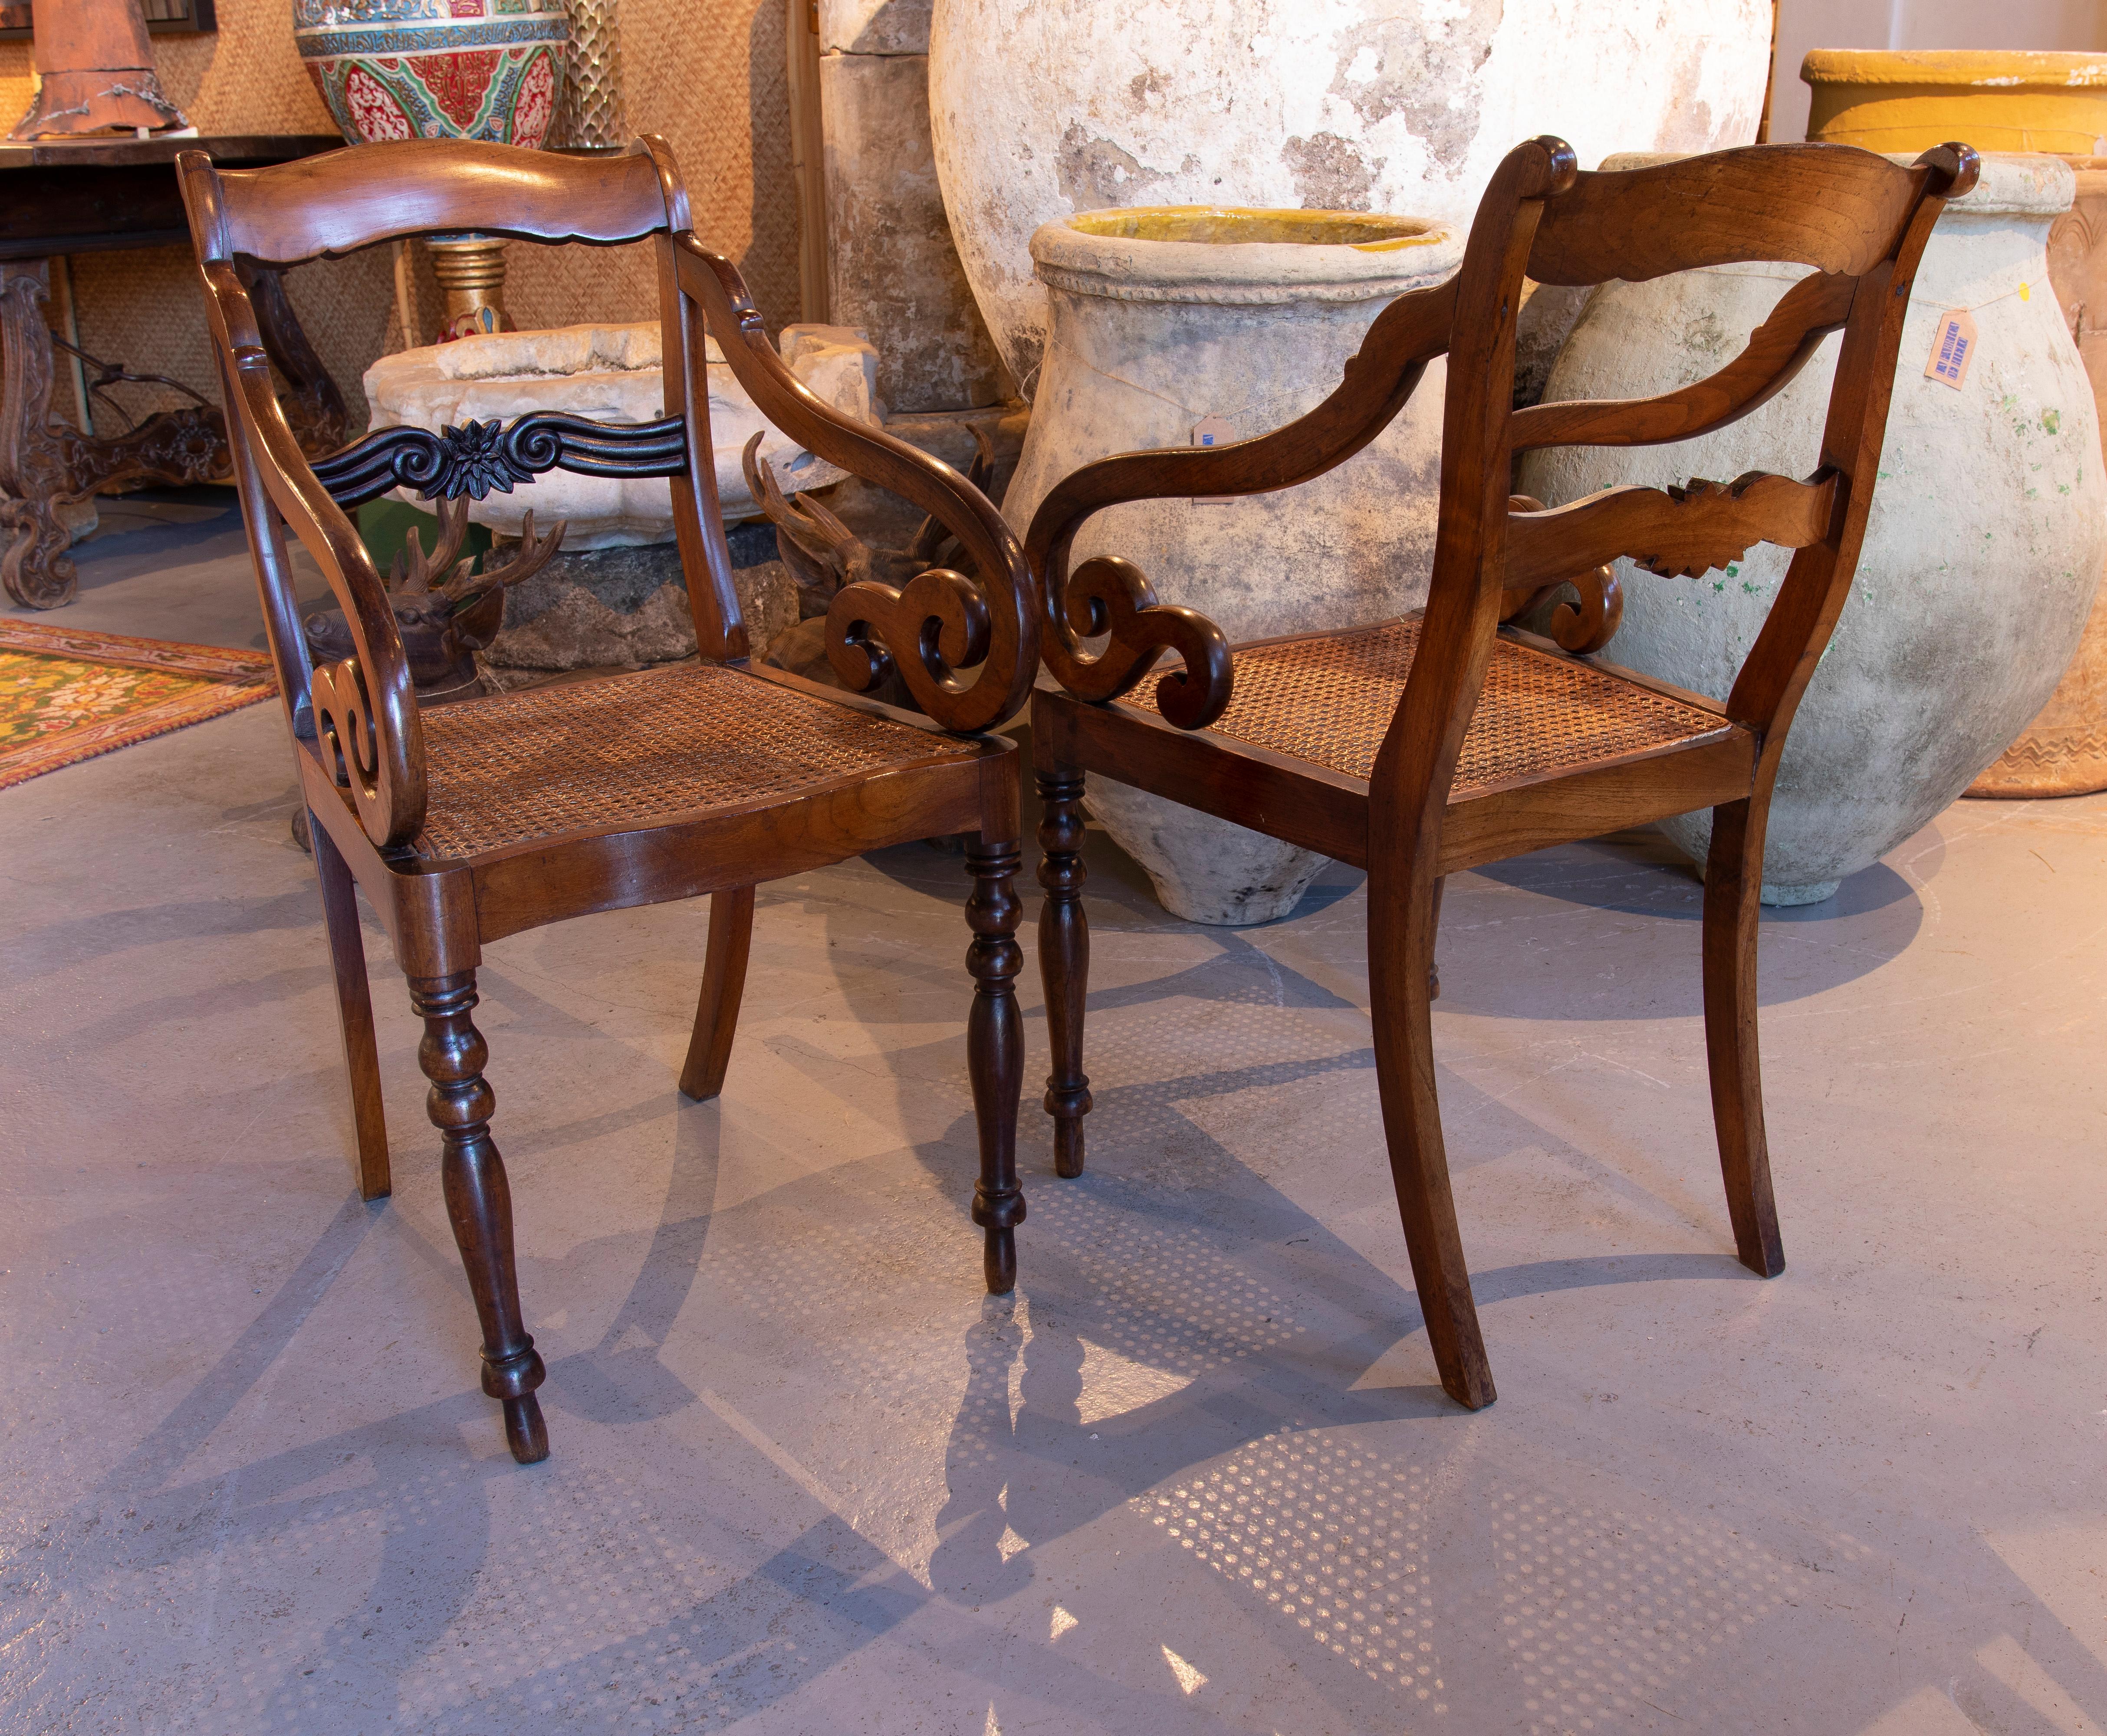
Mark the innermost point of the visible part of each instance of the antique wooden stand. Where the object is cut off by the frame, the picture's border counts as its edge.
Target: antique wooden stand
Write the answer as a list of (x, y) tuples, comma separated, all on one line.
[(97, 196)]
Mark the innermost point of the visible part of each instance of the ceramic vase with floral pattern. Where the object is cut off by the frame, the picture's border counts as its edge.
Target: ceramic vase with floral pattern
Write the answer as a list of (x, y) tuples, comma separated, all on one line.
[(436, 69)]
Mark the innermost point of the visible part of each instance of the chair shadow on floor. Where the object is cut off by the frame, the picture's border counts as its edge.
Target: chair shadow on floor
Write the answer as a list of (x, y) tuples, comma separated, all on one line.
[(1173, 1275)]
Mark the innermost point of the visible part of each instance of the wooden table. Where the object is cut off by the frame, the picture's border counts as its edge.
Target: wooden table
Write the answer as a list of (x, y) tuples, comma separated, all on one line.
[(92, 197)]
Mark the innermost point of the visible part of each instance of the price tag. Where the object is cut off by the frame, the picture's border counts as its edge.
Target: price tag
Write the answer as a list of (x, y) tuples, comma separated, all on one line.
[(1213, 430), (1953, 350)]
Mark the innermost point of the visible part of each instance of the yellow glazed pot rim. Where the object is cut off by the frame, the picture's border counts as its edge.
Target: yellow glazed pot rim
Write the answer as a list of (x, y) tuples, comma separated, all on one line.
[(1231, 255), (1957, 69), (1250, 226)]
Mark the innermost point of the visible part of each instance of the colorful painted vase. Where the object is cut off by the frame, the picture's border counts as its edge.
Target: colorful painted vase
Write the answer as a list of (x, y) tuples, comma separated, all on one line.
[(436, 69)]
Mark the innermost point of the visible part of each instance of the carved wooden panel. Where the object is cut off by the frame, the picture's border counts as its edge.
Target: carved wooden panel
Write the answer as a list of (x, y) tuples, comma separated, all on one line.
[(1674, 532)]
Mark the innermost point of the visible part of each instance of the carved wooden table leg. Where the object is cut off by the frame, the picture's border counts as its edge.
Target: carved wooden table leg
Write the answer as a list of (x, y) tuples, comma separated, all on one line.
[(34, 473), (45, 465), (314, 407)]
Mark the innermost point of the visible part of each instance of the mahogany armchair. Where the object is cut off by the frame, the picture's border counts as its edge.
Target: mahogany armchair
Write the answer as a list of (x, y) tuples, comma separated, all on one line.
[(1444, 741), (484, 818)]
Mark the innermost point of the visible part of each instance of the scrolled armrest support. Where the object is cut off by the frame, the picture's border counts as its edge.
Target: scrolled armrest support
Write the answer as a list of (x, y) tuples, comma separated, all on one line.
[(365, 710), (942, 621), (1109, 595)]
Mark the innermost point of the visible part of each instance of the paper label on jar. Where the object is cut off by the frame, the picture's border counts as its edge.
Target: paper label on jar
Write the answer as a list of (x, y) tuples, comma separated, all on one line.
[(1213, 430), (1953, 350)]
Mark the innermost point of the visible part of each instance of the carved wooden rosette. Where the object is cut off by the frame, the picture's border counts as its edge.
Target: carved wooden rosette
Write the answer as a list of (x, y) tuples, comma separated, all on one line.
[(2063, 751)]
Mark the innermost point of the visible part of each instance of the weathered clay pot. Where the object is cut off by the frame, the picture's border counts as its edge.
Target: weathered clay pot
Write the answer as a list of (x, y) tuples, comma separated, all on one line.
[(1042, 108), (2063, 751), (1172, 323), (1981, 553)]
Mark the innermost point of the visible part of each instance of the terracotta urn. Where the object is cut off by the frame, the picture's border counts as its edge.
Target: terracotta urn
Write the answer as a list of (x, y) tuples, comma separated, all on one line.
[(1181, 325), (437, 69), (1982, 555), (1040, 109)]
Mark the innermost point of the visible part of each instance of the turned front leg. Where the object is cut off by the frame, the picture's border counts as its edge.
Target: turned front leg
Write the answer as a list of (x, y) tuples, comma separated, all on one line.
[(995, 1050), (479, 1201), (1064, 961)]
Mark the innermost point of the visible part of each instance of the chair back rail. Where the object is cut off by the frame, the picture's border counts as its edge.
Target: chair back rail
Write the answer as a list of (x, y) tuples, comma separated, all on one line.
[(1837, 210), (1674, 532), (1846, 213), (360, 714), (1777, 351), (324, 206)]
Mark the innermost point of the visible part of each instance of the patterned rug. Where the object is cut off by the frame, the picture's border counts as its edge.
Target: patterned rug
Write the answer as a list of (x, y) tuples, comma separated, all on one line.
[(68, 695)]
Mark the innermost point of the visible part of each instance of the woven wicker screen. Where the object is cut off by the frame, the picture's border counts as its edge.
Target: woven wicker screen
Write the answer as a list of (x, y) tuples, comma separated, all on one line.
[(710, 74)]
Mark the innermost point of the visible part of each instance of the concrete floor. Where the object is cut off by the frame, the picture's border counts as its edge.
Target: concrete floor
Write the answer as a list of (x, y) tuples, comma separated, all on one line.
[(1196, 1475)]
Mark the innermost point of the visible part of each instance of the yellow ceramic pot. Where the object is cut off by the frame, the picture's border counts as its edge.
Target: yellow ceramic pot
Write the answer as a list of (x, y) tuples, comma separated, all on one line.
[(1911, 100)]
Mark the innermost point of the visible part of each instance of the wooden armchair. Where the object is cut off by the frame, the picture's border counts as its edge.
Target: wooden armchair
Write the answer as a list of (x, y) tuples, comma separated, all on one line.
[(1442, 741), (484, 818)]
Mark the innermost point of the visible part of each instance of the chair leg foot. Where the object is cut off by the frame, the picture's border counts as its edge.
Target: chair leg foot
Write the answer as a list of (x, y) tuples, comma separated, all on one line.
[(1400, 951), (524, 1431), (998, 1261), (724, 981), (994, 1049), (1733, 878), (479, 1201), (1064, 962)]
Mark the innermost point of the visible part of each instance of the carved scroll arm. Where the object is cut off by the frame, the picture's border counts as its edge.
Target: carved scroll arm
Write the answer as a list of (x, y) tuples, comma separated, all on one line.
[(941, 621), (367, 732), (1111, 596)]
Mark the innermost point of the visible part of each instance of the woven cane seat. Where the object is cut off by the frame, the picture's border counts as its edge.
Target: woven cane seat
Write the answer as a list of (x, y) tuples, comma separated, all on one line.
[(630, 751), (1327, 698)]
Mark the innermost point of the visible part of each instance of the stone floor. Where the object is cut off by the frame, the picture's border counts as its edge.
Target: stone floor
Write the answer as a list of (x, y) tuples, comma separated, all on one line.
[(1196, 1476)]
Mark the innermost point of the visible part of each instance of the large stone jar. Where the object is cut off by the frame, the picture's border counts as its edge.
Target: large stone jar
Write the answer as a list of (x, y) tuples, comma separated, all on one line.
[(1180, 325), (1982, 553), (436, 69), (1043, 108), (2063, 751)]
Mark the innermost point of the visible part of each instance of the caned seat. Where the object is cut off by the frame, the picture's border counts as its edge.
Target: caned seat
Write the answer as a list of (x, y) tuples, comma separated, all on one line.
[(1328, 699), (644, 749)]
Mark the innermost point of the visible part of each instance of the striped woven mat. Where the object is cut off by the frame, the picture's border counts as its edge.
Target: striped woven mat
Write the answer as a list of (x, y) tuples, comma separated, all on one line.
[(67, 696)]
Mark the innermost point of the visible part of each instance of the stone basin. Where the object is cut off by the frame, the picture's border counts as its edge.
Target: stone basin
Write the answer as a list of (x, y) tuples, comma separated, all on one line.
[(611, 373)]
